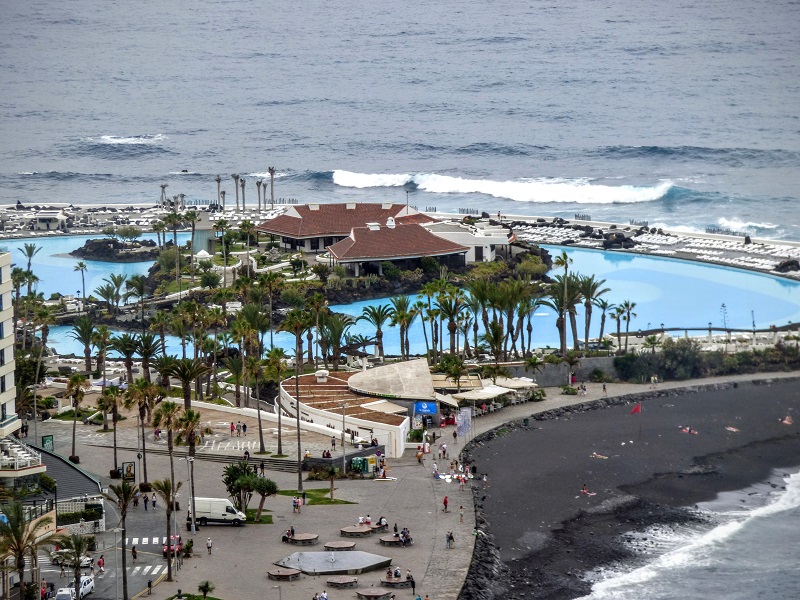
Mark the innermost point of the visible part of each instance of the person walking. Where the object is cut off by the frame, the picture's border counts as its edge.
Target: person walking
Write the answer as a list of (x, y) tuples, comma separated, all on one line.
[(146, 502), (261, 468), (208, 545), (444, 504), (101, 564), (461, 513), (149, 587), (333, 443), (244, 429), (63, 570), (233, 428), (134, 554), (154, 501), (455, 437)]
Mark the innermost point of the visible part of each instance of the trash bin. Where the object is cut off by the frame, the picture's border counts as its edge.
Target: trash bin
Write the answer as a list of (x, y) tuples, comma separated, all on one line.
[(525, 422)]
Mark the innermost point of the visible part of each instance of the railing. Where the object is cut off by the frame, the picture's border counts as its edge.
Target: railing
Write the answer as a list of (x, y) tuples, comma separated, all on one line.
[(16, 456)]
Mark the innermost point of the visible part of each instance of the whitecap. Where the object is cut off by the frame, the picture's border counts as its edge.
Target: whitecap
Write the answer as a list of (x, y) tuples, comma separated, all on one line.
[(130, 140), (690, 549), (542, 190), (738, 225), (266, 175)]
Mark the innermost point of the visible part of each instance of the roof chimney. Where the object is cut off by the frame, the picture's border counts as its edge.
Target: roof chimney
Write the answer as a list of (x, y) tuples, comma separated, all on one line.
[(373, 226), (313, 207), (350, 206), (390, 222), (386, 205)]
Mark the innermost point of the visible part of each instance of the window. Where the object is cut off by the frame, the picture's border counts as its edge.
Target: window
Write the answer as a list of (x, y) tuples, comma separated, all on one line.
[(478, 253), (315, 244), (2, 384), (2, 356)]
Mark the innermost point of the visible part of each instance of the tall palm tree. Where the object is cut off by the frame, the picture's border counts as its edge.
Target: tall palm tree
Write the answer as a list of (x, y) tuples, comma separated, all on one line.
[(122, 495), (17, 280), (81, 266), (296, 322), (494, 338), (127, 345), (242, 181), (271, 171), (173, 221), (591, 290), (29, 251), (190, 427), (254, 372), (167, 491), (334, 329), (43, 318), (19, 536), (402, 317), (193, 219), (627, 307), (377, 316), (272, 282), (218, 179), (159, 323), (147, 347), (136, 287), (272, 372), (222, 227), (258, 189), (188, 370), (75, 547), (605, 306), (618, 314), (145, 396), (159, 227), (235, 365), (167, 416), (76, 389), (83, 332), (235, 178), (110, 400), (101, 339)]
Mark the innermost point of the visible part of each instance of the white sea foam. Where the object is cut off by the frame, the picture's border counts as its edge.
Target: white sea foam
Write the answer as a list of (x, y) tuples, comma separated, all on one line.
[(278, 175), (695, 550), (544, 190), (132, 140), (678, 228), (737, 224)]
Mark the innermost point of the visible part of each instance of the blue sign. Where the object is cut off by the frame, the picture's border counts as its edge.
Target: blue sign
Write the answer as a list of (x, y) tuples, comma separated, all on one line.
[(425, 408)]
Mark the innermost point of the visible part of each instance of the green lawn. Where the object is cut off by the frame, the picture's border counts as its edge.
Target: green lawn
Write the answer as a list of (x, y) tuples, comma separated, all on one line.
[(316, 496), (266, 519)]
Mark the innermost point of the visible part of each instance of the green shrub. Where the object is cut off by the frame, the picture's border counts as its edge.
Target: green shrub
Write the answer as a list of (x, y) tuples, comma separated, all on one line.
[(415, 436), (429, 265), (390, 270), (47, 482), (568, 390), (291, 296), (538, 394), (599, 376), (75, 517)]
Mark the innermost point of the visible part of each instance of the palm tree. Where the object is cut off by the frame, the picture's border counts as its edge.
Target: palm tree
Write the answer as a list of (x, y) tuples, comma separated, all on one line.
[(206, 587), (159, 323), (235, 365), (126, 345), (81, 266), (271, 171), (235, 178), (173, 221), (275, 359), (188, 370), (591, 290), (29, 251), (160, 228), (572, 360), (264, 487), (218, 179), (377, 316), (242, 181), (75, 547), (604, 306), (627, 307), (557, 301), (651, 342), (254, 371), (43, 318), (147, 347), (494, 337), (164, 488), (221, 227), (247, 228), (401, 316), (190, 427), (17, 279), (334, 330), (167, 415), (76, 389), (19, 536), (101, 339), (563, 260), (136, 287), (122, 495), (618, 314), (272, 282), (296, 322), (145, 395), (193, 219), (110, 400)]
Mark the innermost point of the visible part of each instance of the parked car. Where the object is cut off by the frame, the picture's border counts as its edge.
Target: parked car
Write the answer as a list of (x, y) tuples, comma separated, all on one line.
[(87, 587), (57, 557), (175, 545)]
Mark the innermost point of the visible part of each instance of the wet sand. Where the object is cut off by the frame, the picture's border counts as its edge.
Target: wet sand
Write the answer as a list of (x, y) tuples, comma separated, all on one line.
[(548, 533)]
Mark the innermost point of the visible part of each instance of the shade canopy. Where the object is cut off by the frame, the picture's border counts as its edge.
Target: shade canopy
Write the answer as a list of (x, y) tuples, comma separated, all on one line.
[(487, 393), (516, 383)]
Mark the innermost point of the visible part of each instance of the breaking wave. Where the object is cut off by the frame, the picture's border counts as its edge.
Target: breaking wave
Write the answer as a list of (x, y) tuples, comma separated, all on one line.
[(542, 190)]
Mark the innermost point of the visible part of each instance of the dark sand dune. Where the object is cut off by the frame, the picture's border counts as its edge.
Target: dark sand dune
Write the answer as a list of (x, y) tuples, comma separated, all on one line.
[(548, 533)]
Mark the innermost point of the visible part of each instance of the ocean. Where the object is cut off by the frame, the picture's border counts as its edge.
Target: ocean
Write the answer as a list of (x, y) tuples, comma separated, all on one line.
[(678, 114)]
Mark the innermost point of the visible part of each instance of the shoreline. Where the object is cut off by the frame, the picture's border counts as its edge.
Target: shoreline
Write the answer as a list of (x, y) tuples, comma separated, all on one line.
[(549, 536)]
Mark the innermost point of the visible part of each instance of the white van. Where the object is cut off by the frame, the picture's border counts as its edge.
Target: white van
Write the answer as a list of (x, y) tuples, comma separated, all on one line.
[(215, 510)]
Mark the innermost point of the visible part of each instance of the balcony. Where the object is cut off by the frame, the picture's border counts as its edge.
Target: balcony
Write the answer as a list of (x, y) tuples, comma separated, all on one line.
[(9, 425), (18, 460)]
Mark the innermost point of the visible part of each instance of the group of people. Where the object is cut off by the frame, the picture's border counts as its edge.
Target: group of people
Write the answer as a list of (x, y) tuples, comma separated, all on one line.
[(322, 596), (404, 534), (143, 497), (240, 428), (297, 502), (394, 574), (289, 534), (326, 454)]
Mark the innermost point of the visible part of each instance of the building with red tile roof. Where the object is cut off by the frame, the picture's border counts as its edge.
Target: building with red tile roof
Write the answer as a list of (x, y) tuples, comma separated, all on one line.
[(312, 227)]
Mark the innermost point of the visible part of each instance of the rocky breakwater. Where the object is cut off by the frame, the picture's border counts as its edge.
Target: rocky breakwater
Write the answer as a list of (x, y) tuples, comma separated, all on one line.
[(110, 250)]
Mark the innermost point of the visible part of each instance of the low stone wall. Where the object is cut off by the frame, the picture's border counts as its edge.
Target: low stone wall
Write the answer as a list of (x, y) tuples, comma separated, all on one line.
[(336, 458), (556, 375)]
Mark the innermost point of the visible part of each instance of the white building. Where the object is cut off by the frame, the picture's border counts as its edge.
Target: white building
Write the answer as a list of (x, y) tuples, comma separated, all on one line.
[(481, 238), (9, 422)]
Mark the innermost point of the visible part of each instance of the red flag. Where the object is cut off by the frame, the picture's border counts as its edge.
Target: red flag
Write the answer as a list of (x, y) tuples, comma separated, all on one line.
[(637, 409)]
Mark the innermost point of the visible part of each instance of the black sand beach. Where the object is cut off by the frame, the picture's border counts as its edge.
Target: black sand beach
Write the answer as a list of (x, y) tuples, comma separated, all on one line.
[(547, 533)]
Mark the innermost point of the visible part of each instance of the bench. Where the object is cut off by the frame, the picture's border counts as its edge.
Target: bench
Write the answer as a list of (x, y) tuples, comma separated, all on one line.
[(356, 531), (395, 582), (340, 546), (342, 581), (304, 539), (390, 540), (283, 574), (376, 528), (373, 594)]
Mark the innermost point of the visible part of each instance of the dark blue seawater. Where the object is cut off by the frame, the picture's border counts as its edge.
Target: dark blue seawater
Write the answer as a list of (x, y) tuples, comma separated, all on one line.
[(683, 114)]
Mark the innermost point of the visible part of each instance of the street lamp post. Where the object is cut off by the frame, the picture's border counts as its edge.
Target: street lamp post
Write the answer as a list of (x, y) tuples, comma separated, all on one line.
[(344, 451), (116, 530), (190, 464)]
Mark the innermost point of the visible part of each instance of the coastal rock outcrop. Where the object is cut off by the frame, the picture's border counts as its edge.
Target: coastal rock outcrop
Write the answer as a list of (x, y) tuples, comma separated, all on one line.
[(787, 266), (110, 250)]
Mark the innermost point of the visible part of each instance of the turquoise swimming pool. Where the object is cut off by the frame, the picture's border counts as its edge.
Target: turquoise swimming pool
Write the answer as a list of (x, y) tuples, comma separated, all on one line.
[(679, 294)]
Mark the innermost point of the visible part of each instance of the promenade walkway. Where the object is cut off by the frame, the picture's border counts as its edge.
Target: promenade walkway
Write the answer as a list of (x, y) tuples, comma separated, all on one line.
[(241, 556)]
